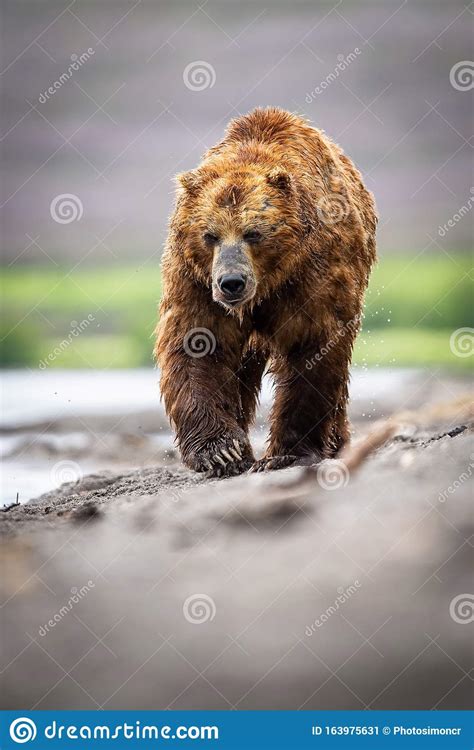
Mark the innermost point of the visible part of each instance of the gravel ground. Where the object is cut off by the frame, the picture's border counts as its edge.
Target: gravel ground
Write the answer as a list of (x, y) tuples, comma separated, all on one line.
[(159, 588)]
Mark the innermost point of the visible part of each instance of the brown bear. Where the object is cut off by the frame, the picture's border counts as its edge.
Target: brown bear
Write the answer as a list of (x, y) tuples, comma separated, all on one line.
[(269, 252)]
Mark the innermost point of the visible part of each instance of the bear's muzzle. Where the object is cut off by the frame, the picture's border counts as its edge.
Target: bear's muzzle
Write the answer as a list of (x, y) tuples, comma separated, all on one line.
[(233, 279)]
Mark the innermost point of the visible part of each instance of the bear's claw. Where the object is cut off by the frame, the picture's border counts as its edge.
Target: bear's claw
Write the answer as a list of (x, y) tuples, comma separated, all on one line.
[(273, 463), (220, 460)]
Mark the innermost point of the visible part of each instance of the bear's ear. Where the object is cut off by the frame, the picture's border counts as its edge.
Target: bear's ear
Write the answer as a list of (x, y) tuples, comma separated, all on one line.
[(279, 178), (190, 181)]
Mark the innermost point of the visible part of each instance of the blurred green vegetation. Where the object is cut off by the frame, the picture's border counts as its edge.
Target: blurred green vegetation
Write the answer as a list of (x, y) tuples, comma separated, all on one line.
[(413, 305)]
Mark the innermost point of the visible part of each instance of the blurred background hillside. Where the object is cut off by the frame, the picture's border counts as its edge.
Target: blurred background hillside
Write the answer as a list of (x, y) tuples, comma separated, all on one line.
[(103, 102)]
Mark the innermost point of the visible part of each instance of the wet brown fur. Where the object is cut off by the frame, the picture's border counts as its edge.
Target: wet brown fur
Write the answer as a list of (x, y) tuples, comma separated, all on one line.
[(274, 172)]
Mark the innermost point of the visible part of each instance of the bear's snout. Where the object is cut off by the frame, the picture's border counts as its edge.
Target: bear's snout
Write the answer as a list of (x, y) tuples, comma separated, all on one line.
[(233, 280), (232, 285)]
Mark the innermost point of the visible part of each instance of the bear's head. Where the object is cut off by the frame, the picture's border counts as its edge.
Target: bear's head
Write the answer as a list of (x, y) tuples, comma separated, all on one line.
[(241, 229)]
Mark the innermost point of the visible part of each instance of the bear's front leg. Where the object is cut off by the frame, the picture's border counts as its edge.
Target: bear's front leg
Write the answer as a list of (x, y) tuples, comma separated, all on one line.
[(201, 391), (209, 438), (308, 419)]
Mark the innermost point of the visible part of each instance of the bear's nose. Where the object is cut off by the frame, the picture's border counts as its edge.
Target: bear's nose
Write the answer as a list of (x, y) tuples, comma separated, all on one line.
[(232, 284)]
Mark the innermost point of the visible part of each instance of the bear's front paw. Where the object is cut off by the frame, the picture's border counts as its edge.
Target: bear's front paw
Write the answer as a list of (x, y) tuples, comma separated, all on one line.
[(222, 458), (272, 463)]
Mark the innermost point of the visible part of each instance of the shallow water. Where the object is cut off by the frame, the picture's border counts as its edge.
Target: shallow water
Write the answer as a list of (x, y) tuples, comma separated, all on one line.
[(58, 425), (31, 396)]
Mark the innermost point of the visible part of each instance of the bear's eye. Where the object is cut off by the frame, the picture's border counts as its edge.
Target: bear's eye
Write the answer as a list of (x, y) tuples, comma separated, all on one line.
[(210, 239), (253, 235)]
